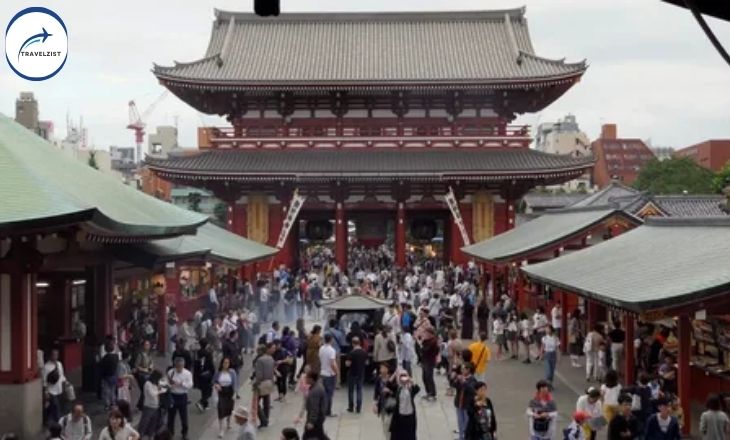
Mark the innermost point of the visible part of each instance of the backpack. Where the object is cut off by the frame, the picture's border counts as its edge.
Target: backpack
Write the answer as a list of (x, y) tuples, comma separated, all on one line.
[(53, 376), (109, 364), (87, 424)]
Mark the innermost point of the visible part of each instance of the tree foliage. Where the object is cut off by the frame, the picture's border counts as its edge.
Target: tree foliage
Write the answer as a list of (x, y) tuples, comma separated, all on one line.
[(194, 200), (220, 214), (678, 175), (722, 178), (92, 160)]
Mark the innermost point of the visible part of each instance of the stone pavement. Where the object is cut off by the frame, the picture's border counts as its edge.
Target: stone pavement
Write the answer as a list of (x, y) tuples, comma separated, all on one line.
[(511, 385)]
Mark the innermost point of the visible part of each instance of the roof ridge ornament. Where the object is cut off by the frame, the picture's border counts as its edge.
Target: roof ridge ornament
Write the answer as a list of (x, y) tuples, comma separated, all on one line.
[(226, 41)]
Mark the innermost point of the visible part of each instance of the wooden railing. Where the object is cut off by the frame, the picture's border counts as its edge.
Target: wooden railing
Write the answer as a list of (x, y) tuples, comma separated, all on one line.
[(364, 132)]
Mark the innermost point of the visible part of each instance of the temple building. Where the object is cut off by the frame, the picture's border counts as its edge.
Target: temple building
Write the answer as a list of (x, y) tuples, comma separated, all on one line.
[(374, 118)]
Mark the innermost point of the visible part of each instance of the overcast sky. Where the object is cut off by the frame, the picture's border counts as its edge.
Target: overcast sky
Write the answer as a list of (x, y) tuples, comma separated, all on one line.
[(652, 71)]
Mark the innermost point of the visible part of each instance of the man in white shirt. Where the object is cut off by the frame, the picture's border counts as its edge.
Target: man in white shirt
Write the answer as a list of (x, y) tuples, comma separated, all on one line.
[(273, 332), (181, 382), (556, 315), (264, 303), (76, 425), (455, 304), (53, 380), (247, 431), (329, 369)]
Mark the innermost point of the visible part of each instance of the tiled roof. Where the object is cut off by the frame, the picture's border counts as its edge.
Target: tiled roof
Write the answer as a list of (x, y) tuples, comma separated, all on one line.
[(541, 201), (666, 262), (692, 205), (355, 302), (351, 48), (536, 235), (211, 242), (369, 162), (39, 184), (615, 192)]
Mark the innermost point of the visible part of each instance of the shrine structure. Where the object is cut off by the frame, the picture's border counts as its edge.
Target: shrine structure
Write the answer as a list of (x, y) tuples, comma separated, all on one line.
[(373, 117)]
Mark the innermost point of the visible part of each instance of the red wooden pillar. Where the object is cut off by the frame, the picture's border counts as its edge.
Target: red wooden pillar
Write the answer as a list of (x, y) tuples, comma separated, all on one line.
[(564, 321), (684, 386), (510, 206), (340, 236), (591, 314), (629, 349), (400, 236), (161, 324)]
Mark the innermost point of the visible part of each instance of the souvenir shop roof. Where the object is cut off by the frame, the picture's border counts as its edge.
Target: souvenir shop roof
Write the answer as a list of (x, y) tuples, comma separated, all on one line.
[(211, 243), (610, 194), (42, 187), (667, 262), (479, 47), (539, 234), (355, 302), (426, 162)]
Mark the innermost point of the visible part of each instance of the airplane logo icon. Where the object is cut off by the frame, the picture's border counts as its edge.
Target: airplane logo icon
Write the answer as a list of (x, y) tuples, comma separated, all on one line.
[(42, 37)]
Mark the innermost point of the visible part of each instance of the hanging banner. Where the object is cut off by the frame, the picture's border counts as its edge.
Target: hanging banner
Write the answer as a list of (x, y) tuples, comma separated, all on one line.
[(454, 207), (295, 206)]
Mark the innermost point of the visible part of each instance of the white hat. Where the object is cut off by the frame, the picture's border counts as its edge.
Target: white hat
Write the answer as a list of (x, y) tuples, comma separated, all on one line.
[(241, 412)]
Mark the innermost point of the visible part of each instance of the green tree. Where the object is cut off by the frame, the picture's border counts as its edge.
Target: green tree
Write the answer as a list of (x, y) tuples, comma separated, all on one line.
[(675, 176), (722, 178), (92, 160), (220, 214), (194, 200)]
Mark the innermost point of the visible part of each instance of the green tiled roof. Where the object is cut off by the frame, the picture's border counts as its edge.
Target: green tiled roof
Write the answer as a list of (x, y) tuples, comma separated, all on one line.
[(211, 242), (666, 262), (546, 230), (41, 185)]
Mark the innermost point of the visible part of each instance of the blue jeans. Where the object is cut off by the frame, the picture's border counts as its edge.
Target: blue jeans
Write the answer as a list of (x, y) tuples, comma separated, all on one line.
[(551, 358), (179, 406), (329, 383), (462, 418), (354, 386), (109, 390)]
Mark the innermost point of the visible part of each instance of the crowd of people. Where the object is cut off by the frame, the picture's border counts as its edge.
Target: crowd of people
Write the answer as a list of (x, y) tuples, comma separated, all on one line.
[(442, 317)]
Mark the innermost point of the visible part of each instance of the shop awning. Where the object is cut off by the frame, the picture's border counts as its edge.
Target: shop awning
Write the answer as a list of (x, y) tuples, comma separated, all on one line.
[(547, 230), (42, 187), (211, 243), (667, 262)]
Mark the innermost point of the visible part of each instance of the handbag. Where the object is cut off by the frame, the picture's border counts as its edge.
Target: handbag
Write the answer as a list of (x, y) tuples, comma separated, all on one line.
[(540, 425), (389, 404), (266, 387), (70, 391)]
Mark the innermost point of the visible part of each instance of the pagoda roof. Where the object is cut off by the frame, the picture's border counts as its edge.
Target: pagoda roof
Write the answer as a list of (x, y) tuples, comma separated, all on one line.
[(42, 187), (210, 243), (550, 229), (667, 262), (355, 49), (371, 163)]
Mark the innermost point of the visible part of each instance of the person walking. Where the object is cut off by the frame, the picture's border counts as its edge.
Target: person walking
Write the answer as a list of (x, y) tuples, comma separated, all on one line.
[(403, 423), (328, 370), (617, 337), (53, 384), (714, 423), (384, 349), (356, 360), (624, 425), (316, 407), (142, 369), (539, 325), (118, 428), (282, 363), (204, 371), (542, 413), (181, 381), (483, 315), (225, 384), (526, 336), (151, 419), (429, 358), (549, 349), (482, 422), (407, 351), (384, 397), (314, 342), (591, 346), (662, 425), (263, 383), (247, 431), (109, 368), (610, 391), (575, 336), (465, 383), (590, 403), (76, 425), (481, 356)]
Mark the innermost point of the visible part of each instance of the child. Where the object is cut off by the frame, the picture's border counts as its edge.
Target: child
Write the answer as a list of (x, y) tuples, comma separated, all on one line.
[(574, 431)]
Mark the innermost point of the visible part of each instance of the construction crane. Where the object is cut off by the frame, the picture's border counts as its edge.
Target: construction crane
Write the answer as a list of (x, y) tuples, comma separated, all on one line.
[(137, 122)]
